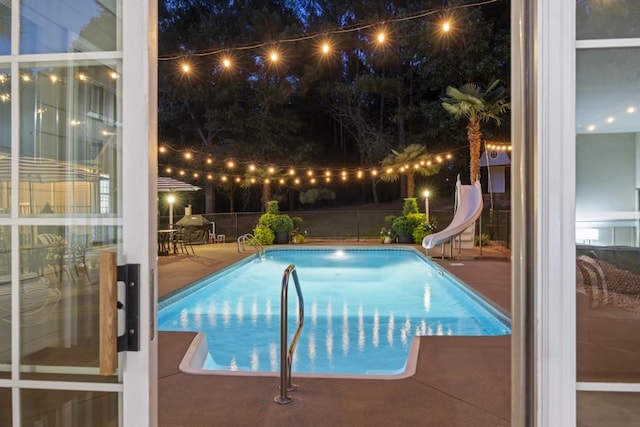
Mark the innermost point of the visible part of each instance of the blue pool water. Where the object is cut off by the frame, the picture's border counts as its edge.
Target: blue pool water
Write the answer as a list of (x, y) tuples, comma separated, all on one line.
[(362, 309)]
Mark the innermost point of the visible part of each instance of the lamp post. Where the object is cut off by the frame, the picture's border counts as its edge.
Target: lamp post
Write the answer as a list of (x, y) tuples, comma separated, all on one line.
[(171, 199), (426, 204)]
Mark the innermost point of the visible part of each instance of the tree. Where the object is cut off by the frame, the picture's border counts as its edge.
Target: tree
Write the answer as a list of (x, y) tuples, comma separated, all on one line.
[(413, 159), (477, 106)]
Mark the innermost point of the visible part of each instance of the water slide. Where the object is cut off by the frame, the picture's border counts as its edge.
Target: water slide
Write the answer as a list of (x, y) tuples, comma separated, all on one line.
[(468, 210)]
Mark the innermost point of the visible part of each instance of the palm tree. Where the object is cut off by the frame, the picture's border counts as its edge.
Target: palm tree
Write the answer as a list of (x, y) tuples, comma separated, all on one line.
[(413, 159), (477, 106)]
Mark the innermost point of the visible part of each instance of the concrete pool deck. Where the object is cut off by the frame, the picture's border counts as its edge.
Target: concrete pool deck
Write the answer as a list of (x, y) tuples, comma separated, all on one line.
[(459, 381)]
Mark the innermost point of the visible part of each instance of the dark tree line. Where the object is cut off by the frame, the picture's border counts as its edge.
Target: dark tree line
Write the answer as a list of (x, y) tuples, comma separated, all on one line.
[(350, 109)]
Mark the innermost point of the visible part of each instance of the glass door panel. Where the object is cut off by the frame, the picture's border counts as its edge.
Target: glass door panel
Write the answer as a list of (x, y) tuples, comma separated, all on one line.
[(5, 407), (69, 408), (68, 26), (59, 314), (5, 28), (69, 139), (5, 136), (607, 216), (5, 302)]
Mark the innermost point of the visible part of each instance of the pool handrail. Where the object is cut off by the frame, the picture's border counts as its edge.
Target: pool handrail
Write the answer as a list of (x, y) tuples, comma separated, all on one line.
[(249, 238), (286, 355)]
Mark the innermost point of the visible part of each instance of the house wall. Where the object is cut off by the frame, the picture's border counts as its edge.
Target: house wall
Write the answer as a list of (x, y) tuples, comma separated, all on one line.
[(606, 179), (606, 166), (498, 181)]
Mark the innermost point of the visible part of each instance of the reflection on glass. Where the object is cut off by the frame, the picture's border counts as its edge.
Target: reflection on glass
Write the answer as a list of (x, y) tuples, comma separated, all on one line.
[(5, 407), (607, 19), (607, 211), (68, 145), (607, 91), (5, 302), (68, 26), (59, 275), (5, 137), (68, 408), (608, 409), (5, 28), (608, 313)]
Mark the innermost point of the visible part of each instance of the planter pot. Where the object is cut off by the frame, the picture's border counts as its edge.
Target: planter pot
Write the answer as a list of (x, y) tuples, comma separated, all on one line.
[(282, 238), (388, 239), (405, 239)]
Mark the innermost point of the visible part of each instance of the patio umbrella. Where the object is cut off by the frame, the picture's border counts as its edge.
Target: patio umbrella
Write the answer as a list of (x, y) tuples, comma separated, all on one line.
[(44, 170), (169, 184), (41, 169)]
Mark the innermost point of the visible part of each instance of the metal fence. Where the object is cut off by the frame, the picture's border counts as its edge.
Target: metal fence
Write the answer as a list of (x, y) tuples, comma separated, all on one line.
[(348, 224)]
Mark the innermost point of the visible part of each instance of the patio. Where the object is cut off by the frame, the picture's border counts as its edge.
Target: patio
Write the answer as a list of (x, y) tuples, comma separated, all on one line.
[(460, 381)]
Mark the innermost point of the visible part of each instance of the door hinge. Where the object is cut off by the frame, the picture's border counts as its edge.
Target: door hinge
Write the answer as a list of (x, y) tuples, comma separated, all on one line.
[(130, 339)]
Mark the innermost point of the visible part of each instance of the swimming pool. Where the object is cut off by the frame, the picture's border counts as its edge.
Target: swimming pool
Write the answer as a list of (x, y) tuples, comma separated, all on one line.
[(363, 307)]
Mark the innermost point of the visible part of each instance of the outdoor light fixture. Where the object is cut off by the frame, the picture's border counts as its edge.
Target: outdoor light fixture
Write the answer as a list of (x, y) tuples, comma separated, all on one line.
[(426, 204), (171, 198)]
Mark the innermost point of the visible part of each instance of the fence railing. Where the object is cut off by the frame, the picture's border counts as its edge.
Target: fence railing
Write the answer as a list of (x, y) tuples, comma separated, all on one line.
[(347, 224)]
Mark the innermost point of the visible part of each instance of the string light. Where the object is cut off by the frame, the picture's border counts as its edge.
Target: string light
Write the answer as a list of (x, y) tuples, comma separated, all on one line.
[(196, 158), (339, 30), (498, 147)]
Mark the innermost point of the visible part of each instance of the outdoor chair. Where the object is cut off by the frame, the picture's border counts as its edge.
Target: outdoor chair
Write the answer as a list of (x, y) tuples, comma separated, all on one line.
[(183, 241)]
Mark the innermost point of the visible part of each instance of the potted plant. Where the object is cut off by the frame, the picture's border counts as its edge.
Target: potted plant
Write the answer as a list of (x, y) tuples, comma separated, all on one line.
[(403, 226), (387, 235), (424, 229), (282, 226), (297, 236)]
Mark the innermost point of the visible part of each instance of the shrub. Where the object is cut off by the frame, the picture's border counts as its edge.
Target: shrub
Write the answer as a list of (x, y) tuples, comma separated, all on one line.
[(403, 226), (282, 224), (485, 240), (266, 219), (297, 222), (424, 229), (410, 206), (272, 207), (263, 235), (388, 220)]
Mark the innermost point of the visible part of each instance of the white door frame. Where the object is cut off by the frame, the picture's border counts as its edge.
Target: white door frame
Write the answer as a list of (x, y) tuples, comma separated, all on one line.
[(139, 202)]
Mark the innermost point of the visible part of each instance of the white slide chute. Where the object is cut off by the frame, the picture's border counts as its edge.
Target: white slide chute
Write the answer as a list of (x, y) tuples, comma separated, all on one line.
[(468, 210)]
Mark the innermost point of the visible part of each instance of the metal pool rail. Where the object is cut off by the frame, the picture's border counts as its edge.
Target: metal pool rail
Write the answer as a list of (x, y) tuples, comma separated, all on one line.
[(286, 356)]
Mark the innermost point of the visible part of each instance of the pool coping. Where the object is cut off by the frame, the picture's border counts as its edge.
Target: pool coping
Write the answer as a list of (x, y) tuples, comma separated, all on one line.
[(198, 350)]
